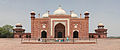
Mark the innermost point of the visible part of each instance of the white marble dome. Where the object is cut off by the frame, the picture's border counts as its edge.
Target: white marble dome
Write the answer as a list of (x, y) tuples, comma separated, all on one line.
[(45, 15), (73, 14), (59, 11)]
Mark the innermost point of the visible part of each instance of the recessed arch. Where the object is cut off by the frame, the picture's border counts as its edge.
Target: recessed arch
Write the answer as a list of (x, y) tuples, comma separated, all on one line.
[(75, 34), (43, 34), (59, 31), (98, 36)]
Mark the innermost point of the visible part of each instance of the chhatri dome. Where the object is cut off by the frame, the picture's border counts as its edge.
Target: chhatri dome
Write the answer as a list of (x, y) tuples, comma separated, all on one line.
[(86, 12), (100, 24), (18, 24), (32, 11), (59, 11)]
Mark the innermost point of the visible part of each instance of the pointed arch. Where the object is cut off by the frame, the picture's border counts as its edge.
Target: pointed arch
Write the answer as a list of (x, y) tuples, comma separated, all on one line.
[(75, 34), (43, 34), (59, 31)]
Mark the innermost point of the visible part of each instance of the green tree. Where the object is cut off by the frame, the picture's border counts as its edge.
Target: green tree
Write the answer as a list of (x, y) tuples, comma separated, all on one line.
[(6, 31)]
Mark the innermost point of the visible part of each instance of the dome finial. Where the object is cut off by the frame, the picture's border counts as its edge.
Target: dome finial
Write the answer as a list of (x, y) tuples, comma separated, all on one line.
[(39, 15), (80, 15), (59, 6)]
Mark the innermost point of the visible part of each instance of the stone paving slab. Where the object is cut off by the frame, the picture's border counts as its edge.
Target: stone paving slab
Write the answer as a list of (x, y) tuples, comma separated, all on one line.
[(102, 44)]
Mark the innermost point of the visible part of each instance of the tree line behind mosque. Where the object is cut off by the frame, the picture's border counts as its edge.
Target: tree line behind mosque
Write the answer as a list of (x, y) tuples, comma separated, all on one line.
[(6, 31)]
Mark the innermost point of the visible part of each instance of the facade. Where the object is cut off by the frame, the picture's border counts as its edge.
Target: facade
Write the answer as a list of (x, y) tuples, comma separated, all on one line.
[(60, 25)]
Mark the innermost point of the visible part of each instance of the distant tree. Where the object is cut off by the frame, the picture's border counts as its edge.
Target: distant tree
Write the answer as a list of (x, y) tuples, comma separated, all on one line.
[(6, 31)]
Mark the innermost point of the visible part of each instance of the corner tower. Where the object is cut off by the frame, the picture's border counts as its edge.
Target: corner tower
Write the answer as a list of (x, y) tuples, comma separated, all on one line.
[(101, 31), (32, 23), (87, 22), (18, 31)]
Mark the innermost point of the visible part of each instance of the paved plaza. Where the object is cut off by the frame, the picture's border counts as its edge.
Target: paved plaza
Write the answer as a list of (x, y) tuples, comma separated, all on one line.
[(102, 44)]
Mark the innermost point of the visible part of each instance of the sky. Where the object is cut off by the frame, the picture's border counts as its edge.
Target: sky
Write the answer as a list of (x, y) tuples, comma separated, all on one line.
[(101, 11)]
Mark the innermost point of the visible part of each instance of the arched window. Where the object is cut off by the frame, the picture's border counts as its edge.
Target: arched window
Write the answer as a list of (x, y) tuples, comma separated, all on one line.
[(27, 36), (90, 36), (75, 34), (43, 34)]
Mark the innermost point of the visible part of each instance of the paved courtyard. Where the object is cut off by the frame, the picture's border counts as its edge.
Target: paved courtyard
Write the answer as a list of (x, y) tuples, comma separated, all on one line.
[(102, 44)]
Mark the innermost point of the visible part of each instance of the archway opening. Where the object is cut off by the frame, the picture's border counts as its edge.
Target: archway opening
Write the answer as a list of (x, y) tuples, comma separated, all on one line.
[(92, 36), (43, 34), (75, 34), (98, 36), (27, 36), (59, 31), (20, 36), (59, 35)]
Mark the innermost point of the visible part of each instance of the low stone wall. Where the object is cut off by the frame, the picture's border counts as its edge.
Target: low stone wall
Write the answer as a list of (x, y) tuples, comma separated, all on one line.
[(58, 41)]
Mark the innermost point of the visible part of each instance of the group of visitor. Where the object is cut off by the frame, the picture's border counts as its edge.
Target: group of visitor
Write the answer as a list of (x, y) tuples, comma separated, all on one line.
[(57, 40)]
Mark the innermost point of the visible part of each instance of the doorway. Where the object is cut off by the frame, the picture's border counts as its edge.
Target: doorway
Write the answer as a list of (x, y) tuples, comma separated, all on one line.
[(59, 31), (43, 34), (75, 34)]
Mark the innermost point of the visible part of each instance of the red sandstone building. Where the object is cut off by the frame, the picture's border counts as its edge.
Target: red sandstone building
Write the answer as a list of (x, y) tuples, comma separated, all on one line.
[(60, 25), (19, 32), (101, 32)]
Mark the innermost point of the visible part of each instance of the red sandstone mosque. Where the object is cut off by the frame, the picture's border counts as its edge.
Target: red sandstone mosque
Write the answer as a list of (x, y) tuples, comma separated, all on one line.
[(60, 25)]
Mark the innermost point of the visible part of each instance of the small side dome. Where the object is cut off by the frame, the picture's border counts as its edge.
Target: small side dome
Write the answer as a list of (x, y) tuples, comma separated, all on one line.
[(45, 14), (100, 24), (18, 24), (73, 14), (59, 11)]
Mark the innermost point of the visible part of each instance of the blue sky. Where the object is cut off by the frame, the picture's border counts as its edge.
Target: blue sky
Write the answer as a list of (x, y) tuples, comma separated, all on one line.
[(101, 11)]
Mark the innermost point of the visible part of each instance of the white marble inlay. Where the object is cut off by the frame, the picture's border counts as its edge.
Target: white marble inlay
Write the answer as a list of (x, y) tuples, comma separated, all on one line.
[(60, 22)]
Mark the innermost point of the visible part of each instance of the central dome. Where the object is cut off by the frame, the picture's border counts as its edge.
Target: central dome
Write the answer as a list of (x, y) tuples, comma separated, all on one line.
[(59, 11)]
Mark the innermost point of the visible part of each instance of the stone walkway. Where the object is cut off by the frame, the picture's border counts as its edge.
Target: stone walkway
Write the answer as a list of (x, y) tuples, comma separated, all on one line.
[(102, 44)]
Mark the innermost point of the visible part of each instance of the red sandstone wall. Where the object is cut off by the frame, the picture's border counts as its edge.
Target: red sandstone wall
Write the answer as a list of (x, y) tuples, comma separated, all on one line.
[(37, 28), (83, 26)]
